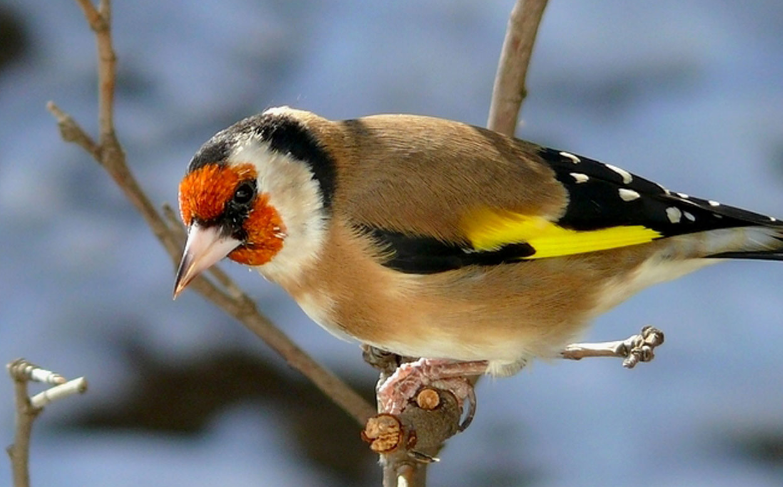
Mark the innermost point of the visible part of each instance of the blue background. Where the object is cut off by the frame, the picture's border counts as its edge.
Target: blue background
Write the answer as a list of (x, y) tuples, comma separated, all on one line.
[(687, 93)]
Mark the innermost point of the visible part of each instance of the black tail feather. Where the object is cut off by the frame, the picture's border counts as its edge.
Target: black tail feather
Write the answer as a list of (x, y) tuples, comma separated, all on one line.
[(758, 255)]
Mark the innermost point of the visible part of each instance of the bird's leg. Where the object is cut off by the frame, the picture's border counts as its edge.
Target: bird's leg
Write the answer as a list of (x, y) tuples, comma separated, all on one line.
[(634, 349), (395, 393), (386, 362)]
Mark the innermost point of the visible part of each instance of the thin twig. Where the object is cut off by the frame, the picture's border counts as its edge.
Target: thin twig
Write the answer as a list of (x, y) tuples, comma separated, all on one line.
[(19, 452), (71, 132), (100, 22), (509, 90), (109, 154), (22, 372), (175, 225), (61, 391), (93, 17)]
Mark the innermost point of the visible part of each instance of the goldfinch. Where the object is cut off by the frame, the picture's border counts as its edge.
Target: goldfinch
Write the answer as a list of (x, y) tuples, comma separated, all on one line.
[(432, 238)]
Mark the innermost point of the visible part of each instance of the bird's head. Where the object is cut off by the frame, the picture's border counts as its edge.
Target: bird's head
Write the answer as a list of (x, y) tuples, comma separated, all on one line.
[(251, 194)]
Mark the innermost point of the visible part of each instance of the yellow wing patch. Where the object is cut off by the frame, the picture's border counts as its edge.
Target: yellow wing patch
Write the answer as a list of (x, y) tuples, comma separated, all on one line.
[(490, 229)]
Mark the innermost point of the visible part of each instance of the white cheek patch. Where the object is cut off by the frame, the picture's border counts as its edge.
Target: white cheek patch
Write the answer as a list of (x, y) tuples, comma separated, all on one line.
[(296, 196)]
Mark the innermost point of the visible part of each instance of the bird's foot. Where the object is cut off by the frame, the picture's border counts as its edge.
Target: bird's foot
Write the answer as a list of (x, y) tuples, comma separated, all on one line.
[(634, 349), (640, 348), (409, 378), (386, 362)]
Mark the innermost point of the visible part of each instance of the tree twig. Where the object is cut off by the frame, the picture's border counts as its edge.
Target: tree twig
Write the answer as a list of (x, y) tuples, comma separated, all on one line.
[(509, 90), (19, 451), (61, 391), (109, 154), (22, 372)]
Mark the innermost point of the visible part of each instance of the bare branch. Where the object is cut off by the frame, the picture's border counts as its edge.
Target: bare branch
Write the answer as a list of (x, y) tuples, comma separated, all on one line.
[(175, 225), (19, 451), (105, 9), (93, 17), (228, 296), (67, 389), (25, 371), (22, 372), (509, 90), (100, 22), (70, 131), (634, 349)]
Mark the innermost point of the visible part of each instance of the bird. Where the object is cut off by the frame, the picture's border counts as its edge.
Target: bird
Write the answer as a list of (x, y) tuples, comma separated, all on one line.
[(431, 238)]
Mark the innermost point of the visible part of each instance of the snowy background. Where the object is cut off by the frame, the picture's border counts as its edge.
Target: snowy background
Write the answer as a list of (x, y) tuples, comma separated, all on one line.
[(688, 93)]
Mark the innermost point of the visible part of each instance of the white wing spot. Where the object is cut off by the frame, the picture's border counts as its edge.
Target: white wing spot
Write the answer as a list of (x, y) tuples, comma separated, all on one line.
[(663, 189), (713, 203), (579, 177), (689, 216), (573, 158), (628, 194), (773, 219), (627, 178), (683, 196), (674, 214), (716, 215)]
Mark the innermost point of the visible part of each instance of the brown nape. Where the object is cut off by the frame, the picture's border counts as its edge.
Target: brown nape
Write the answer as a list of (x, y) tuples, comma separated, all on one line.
[(203, 193), (265, 234)]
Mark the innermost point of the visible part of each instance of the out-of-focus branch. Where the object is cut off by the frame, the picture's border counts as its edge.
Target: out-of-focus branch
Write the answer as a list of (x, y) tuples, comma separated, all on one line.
[(27, 409), (509, 90), (100, 22), (75, 386), (19, 452), (225, 294), (405, 465)]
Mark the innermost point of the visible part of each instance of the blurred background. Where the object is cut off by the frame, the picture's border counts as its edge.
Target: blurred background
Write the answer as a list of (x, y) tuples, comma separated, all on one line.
[(687, 93)]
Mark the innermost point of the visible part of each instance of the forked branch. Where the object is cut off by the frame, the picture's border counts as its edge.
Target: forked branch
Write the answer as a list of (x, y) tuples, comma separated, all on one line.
[(27, 409)]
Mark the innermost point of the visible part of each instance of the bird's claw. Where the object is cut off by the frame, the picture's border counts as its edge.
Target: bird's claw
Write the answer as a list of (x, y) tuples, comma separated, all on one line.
[(396, 392), (641, 347)]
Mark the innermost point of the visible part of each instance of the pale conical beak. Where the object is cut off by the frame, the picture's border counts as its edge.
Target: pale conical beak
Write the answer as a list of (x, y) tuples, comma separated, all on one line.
[(205, 247)]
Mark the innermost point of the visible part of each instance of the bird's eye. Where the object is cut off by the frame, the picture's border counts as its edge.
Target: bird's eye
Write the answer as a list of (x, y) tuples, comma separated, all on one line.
[(244, 194)]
